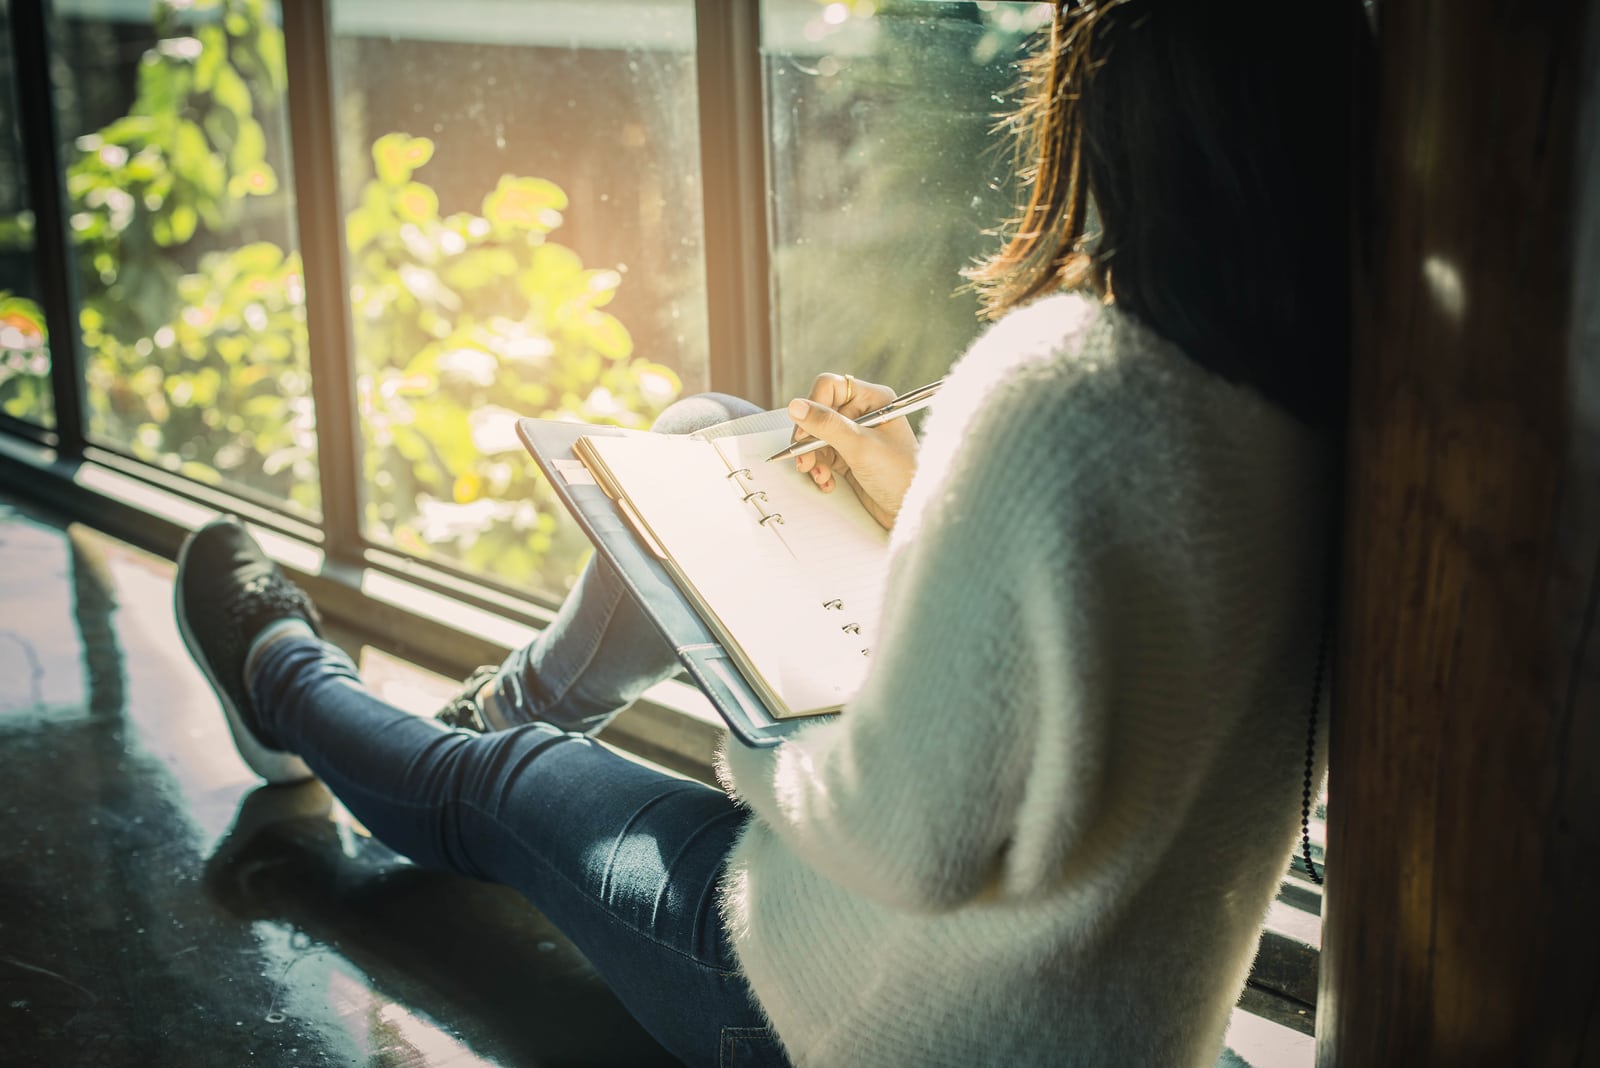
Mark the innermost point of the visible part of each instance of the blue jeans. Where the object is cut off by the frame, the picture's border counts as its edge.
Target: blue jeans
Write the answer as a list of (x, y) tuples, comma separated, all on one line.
[(624, 859)]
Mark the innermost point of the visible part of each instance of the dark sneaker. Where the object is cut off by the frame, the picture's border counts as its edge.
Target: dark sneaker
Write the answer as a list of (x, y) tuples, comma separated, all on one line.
[(227, 591), (464, 711)]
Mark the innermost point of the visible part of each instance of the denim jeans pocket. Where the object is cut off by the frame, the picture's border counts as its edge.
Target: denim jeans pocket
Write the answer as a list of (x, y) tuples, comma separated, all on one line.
[(750, 1047)]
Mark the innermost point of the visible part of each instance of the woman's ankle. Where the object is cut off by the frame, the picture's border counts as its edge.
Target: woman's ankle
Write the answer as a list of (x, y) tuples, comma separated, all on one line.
[(270, 635)]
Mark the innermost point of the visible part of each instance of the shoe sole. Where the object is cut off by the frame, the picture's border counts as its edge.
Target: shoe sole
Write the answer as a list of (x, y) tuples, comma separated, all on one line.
[(273, 765)]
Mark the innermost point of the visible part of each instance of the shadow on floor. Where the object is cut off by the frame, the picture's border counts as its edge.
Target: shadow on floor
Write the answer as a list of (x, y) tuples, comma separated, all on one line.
[(157, 907)]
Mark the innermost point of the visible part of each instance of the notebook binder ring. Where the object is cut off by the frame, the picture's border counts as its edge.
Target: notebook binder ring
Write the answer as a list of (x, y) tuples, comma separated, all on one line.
[(743, 477)]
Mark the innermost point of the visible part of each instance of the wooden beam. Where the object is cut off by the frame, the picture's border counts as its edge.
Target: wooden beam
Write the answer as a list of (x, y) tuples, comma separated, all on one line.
[(1462, 910)]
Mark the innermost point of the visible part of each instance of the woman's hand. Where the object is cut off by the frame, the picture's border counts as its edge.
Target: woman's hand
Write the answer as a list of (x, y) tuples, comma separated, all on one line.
[(878, 462)]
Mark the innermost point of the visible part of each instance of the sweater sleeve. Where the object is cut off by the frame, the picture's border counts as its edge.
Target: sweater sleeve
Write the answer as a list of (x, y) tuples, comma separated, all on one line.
[(947, 777)]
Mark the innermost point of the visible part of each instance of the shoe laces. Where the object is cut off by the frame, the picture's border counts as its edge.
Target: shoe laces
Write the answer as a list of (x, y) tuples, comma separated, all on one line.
[(257, 602)]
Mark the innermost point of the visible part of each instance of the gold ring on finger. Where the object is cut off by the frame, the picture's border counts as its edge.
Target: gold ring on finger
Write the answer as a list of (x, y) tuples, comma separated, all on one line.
[(849, 387)]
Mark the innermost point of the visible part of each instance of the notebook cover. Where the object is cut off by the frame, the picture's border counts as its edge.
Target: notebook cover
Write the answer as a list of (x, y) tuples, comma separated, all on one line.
[(652, 587)]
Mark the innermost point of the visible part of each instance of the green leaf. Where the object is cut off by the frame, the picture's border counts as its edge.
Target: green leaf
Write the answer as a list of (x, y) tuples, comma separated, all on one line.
[(270, 43), (213, 54), (259, 181), (480, 268), (525, 204), (260, 257), (600, 287), (607, 334), (551, 273), (249, 146), (212, 177), (417, 203), (359, 228), (128, 130), (162, 86), (231, 92), (183, 220), (397, 155), (189, 150), (221, 126)]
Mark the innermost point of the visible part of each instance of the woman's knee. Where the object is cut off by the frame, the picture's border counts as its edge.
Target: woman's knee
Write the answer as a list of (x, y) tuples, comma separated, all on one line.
[(690, 414)]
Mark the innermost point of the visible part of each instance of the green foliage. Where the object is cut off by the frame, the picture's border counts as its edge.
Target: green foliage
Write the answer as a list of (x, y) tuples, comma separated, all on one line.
[(24, 359), (196, 352), (463, 322)]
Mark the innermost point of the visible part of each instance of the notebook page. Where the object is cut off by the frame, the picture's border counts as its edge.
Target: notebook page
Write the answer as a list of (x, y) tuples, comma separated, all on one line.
[(776, 419), (840, 552), (741, 576)]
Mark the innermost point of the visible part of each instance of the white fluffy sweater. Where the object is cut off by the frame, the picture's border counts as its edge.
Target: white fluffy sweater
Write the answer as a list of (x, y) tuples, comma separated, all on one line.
[(1047, 831)]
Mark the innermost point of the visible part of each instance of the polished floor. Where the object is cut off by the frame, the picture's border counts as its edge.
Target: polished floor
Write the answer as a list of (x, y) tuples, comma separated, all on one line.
[(159, 907)]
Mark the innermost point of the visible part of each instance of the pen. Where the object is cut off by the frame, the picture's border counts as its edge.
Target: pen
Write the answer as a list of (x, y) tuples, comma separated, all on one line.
[(913, 401)]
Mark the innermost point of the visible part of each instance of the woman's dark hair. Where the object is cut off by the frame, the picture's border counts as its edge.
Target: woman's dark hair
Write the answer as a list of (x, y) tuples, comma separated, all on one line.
[(1192, 162)]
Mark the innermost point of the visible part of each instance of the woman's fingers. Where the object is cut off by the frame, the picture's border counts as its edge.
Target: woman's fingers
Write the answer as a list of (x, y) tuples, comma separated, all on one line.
[(807, 462), (829, 414), (849, 396), (821, 474)]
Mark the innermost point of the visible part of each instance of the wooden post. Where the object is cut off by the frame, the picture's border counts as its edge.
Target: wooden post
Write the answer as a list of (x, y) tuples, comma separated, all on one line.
[(1462, 915)]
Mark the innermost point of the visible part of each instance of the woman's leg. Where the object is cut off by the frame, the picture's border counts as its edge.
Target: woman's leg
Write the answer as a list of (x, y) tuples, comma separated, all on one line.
[(600, 653), (625, 860)]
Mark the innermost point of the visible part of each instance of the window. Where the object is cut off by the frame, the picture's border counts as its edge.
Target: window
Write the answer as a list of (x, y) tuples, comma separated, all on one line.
[(179, 213), (526, 211), (24, 355), (520, 183), (885, 179), (520, 209)]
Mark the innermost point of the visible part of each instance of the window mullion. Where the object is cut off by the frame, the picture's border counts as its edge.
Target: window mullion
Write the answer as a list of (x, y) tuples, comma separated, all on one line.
[(734, 185), (313, 145), (30, 41)]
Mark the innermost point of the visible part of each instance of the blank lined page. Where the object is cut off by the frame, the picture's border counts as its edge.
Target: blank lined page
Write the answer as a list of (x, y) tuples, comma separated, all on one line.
[(741, 574), (840, 551)]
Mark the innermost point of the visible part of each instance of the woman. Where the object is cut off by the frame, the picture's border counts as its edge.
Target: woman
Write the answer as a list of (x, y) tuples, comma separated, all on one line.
[(1047, 830)]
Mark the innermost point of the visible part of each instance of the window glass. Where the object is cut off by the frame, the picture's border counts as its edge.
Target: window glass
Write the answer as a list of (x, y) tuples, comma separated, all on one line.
[(524, 238), (173, 117), (885, 176), (24, 355)]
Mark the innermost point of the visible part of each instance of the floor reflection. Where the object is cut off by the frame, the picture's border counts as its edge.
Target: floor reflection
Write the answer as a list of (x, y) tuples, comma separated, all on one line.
[(158, 907)]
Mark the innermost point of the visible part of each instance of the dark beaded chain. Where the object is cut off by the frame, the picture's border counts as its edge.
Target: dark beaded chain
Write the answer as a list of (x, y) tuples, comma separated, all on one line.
[(1311, 748)]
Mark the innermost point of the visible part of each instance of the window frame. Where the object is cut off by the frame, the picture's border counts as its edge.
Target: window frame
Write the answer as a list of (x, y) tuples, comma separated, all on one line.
[(733, 160)]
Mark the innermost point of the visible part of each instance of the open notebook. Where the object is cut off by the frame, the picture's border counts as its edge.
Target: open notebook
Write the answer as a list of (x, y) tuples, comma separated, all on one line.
[(789, 579)]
